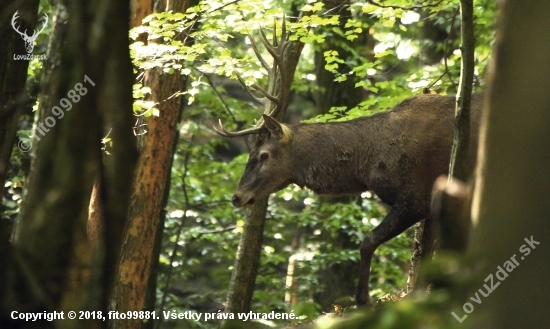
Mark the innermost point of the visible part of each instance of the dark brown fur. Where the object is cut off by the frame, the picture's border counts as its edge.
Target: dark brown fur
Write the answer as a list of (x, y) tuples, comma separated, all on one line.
[(397, 154)]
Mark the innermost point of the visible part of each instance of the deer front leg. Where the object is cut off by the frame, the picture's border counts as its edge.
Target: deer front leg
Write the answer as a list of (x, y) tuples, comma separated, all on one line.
[(397, 221)]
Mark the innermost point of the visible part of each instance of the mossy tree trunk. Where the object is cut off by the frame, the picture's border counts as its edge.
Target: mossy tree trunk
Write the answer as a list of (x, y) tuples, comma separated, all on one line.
[(54, 268), (512, 189), (458, 166)]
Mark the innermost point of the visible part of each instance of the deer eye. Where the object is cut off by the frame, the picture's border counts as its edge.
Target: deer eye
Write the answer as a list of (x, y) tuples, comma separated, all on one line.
[(264, 156)]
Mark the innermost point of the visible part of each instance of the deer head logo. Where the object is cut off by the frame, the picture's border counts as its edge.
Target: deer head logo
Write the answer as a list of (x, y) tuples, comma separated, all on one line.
[(29, 40)]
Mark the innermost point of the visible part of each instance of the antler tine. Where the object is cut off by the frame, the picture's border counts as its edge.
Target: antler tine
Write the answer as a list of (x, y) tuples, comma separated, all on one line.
[(257, 99), (14, 18), (273, 108), (272, 49), (283, 29), (258, 54), (276, 51), (16, 28), (275, 42), (43, 26), (276, 48), (267, 95), (224, 132), (275, 111)]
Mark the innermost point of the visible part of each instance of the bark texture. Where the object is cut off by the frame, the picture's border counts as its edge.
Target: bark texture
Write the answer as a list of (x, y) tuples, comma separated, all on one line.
[(510, 202), (139, 254), (153, 168), (247, 260), (54, 266), (458, 167)]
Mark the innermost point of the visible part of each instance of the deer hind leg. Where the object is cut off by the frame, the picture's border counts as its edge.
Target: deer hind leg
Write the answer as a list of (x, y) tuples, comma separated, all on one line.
[(397, 221)]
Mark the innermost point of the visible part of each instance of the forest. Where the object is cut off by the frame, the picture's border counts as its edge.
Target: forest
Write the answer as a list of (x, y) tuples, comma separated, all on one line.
[(186, 164)]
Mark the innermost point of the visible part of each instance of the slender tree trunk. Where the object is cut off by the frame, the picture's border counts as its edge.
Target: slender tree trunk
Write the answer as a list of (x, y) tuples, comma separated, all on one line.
[(247, 260), (461, 142), (416, 257), (139, 256), (510, 208), (459, 152)]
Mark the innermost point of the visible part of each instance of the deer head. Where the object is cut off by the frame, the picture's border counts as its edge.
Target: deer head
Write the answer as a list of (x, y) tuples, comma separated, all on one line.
[(264, 162), (29, 40), (269, 165)]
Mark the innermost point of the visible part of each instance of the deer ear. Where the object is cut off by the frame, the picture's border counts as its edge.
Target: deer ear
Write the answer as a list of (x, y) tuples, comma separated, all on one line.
[(277, 130), (273, 126)]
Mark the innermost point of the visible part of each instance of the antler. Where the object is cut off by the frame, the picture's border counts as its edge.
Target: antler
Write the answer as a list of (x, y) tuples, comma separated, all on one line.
[(16, 28), (24, 34), (36, 32), (275, 73)]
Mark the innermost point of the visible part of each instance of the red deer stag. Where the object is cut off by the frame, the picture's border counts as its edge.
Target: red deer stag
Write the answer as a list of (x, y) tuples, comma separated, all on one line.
[(397, 154)]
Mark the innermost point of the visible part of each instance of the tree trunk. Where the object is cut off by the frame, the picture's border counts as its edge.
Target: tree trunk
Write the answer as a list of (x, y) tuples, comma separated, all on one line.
[(13, 99), (247, 260), (331, 92), (139, 256), (13, 75), (461, 141), (510, 207), (54, 264), (459, 154), (51, 256), (416, 258), (140, 10)]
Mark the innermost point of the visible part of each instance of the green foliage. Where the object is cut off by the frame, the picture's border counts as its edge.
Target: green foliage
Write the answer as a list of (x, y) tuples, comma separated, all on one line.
[(455, 276), (202, 229)]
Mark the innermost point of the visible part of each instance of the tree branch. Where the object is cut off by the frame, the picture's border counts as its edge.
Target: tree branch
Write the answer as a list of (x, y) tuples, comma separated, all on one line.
[(372, 2)]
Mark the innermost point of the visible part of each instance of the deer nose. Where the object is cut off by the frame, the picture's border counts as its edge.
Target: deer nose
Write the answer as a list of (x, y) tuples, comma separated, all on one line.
[(236, 200)]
